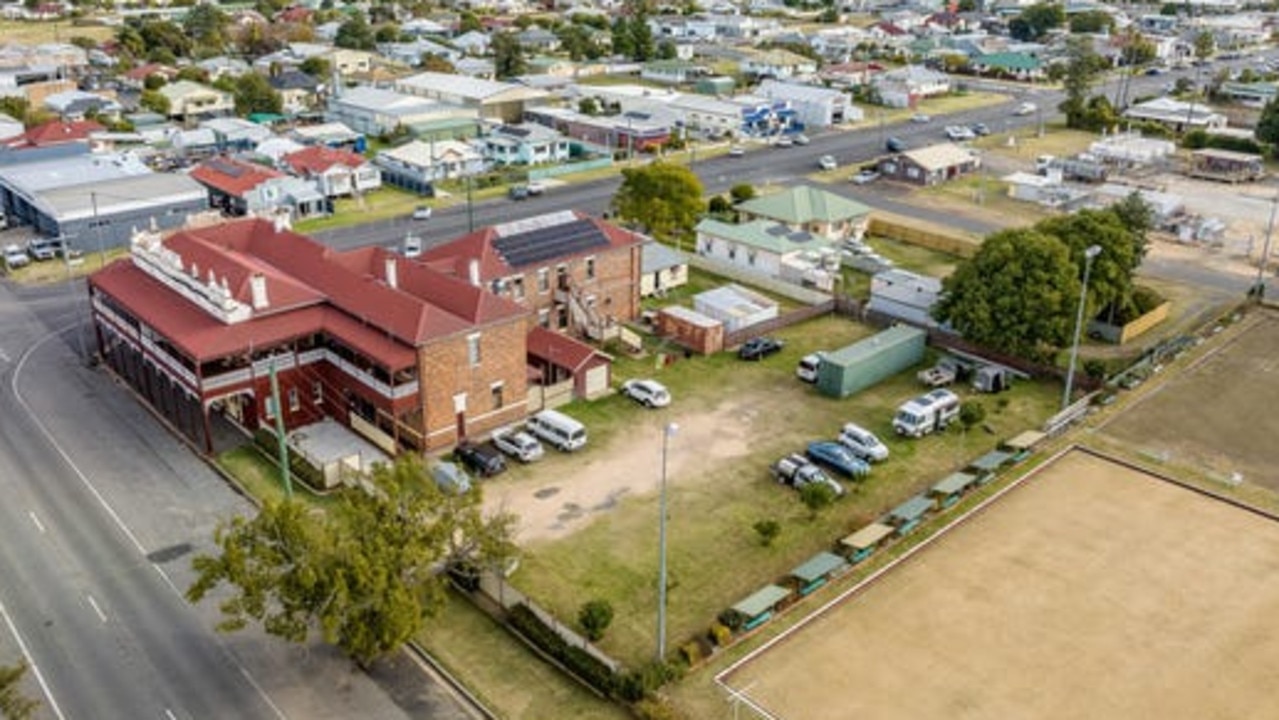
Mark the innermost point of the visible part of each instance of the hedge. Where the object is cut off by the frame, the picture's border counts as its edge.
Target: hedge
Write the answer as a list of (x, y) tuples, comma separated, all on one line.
[(576, 660)]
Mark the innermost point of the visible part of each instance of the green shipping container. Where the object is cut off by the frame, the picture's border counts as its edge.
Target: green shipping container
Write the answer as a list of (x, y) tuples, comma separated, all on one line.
[(868, 361)]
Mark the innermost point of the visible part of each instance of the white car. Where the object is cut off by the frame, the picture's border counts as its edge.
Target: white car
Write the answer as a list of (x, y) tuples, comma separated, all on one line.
[(518, 444), (422, 212), (958, 133), (15, 257), (648, 393), (865, 176), (863, 443), (1026, 108), (784, 142), (736, 151), (921, 118), (801, 139), (827, 162)]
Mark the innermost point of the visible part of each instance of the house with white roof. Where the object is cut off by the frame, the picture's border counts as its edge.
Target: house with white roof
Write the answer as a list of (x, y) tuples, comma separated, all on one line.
[(904, 86), (1176, 115)]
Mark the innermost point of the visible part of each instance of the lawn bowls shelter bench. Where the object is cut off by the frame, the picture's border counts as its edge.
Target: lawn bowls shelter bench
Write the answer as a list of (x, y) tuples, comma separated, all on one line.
[(817, 570), (759, 608), (987, 465), (949, 490), (863, 543), (906, 516)]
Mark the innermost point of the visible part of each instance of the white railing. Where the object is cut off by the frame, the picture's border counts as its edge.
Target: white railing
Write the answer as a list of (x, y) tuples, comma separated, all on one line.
[(235, 377), (119, 322), (262, 368), (170, 363)]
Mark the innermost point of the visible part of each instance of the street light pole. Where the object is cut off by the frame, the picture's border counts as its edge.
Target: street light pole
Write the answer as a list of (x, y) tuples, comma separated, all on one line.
[(667, 433), (1265, 251), (1089, 255)]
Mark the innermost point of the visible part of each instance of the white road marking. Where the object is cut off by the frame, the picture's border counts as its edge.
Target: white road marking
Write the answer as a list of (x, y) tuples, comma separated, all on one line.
[(169, 714), (4, 357), (13, 384), (278, 713), (94, 603), (31, 663), (165, 577), (36, 520)]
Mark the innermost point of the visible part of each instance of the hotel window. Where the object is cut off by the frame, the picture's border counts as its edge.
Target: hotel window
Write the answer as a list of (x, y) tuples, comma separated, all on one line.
[(517, 287), (295, 402), (317, 392), (590, 268), (496, 390), (268, 410), (544, 317), (543, 280), (473, 349)]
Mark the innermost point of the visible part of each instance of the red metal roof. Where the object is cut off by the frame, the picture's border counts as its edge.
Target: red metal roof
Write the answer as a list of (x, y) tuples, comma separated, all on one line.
[(350, 290), (455, 257), (317, 159), (559, 349), (56, 132), (231, 176)]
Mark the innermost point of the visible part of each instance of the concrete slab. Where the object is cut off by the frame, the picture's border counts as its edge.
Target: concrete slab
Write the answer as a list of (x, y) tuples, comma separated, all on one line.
[(328, 441)]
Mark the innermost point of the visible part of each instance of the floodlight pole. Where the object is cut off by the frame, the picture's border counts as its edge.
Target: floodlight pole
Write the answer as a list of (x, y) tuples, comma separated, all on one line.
[(667, 433), (1265, 251), (1089, 255)]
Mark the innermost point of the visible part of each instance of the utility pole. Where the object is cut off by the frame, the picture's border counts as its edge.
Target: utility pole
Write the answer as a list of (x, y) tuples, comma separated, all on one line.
[(285, 475), (1265, 250), (470, 206)]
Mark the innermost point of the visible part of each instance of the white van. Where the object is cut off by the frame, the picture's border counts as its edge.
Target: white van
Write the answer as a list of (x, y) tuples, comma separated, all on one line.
[(808, 366), (558, 430)]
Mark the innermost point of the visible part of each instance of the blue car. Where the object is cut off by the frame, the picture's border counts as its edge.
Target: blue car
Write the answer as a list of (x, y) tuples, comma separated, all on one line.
[(838, 458)]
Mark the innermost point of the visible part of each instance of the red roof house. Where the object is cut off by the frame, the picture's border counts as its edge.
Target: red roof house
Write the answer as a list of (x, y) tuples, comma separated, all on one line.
[(339, 172), (56, 132)]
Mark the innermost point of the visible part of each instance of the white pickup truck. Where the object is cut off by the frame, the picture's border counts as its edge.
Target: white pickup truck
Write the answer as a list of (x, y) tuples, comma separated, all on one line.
[(518, 444)]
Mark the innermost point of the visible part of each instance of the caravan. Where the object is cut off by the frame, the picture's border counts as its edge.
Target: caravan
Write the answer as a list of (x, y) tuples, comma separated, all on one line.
[(926, 413)]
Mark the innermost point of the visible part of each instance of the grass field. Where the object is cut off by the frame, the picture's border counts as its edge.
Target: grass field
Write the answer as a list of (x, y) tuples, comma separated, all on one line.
[(1093, 590), (592, 520), (1214, 416), (35, 33)]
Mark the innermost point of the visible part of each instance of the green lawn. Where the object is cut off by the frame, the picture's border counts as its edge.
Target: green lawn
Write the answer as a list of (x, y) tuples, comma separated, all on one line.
[(508, 677), (915, 258), (1057, 140), (981, 197), (955, 102), (714, 556), (261, 477)]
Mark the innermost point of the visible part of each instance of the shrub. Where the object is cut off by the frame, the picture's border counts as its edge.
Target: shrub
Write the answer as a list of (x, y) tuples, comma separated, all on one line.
[(657, 709), (768, 530), (731, 619), (718, 205), (595, 616), (579, 662), (721, 635), (741, 192), (691, 652), (816, 497)]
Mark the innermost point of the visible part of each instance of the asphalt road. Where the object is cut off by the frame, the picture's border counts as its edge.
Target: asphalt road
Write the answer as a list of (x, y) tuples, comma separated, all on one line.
[(762, 167), (102, 510)]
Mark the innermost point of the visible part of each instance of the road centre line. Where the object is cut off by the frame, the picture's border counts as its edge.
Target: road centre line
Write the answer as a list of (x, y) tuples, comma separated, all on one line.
[(94, 604), (36, 520)]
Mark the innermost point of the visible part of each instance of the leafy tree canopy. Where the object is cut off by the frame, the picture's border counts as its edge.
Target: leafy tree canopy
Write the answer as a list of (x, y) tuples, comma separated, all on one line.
[(13, 704), (663, 198), (365, 574), (1268, 124), (508, 56), (254, 94), (1016, 295), (355, 34)]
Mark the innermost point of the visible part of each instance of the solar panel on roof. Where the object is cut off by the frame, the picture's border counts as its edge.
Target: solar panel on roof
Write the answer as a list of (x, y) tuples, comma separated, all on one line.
[(540, 244), (225, 168)]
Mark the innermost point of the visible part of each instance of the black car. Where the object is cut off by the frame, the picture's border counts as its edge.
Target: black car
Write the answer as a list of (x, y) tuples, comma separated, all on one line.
[(979, 129), (896, 145), (758, 348), (483, 460)]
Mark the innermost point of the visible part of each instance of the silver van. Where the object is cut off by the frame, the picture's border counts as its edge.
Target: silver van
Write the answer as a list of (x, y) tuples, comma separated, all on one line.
[(558, 430)]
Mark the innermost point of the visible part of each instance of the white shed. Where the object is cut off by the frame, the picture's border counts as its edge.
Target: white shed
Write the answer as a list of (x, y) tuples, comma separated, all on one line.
[(735, 306)]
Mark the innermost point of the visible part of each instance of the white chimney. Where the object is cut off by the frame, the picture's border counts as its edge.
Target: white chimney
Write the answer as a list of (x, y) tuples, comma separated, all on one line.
[(474, 269), (392, 276), (257, 289)]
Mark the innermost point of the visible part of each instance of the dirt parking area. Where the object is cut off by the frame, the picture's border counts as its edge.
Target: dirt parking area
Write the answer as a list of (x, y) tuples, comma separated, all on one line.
[(1215, 415), (1091, 591)]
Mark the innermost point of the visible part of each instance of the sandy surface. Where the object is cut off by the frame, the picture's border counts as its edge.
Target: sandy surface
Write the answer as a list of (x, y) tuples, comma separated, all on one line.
[(1093, 591), (598, 477)]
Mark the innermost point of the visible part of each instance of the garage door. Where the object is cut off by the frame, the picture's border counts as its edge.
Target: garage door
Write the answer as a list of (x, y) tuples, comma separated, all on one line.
[(596, 381)]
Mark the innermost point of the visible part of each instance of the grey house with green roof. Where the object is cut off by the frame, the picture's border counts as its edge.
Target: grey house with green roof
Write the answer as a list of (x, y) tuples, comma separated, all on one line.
[(810, 210)]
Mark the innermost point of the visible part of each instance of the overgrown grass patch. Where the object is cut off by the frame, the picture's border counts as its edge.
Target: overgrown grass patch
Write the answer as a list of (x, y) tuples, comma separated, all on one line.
[(915, 258), (260, 476), (57, 270), (984, 197)]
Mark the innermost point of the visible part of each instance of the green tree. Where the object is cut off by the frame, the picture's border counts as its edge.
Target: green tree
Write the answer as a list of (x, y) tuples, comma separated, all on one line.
[(162, 37), (1092, 21), (623, 41), (316, 67), (1205, 45), (130, 41), (595, 616), (436, 63), (508, 56), (575, 40), (206, 25), (469, 22), (355, 34), (1081, 71), (155, 101), (193, 73), (388, 33), (644, 47), (1035, 21), (971, 414), (664, 199), (364, 574), (1268, 124), (16, 107), (1110, 281), (1138, 51), (13, 704), (741, 192), (588, 106), (666, 50), (1016, 295), (768, 530), (254, 94)]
